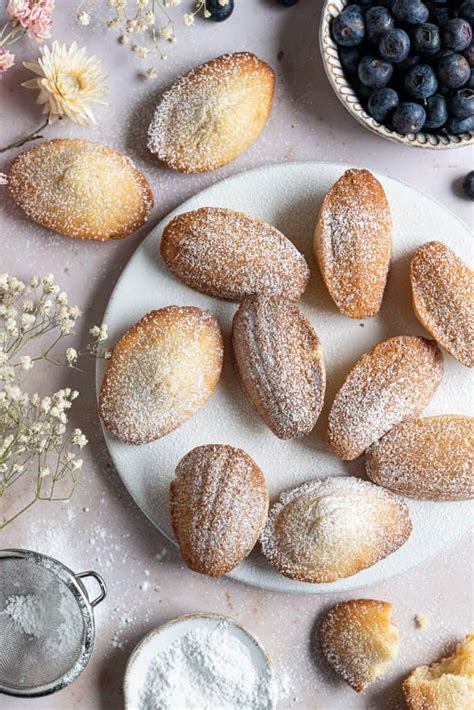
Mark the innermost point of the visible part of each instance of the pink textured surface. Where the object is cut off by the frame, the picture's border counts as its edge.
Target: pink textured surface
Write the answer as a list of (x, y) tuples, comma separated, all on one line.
[(101, 528)]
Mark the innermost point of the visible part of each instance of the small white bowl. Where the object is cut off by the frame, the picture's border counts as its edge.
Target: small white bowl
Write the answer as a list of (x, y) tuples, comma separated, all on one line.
[(160, 638), (350, 101)]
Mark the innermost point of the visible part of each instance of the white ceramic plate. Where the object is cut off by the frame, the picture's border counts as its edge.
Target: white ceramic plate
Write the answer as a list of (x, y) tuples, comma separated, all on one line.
[(288, 196), (162, 637)]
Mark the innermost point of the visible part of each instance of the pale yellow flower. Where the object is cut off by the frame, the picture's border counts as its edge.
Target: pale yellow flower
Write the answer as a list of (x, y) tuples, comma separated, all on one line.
[(69, 82)]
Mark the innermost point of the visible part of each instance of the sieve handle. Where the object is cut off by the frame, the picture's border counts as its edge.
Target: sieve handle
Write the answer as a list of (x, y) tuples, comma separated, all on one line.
[(100, 582)]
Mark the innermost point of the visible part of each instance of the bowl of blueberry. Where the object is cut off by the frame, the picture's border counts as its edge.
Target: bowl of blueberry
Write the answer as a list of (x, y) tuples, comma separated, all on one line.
[(404, 68)]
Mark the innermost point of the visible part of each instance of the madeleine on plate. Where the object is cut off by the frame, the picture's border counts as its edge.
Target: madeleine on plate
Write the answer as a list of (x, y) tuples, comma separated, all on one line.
[(331, 528), (81, 189), (162, 370), (219, 504)]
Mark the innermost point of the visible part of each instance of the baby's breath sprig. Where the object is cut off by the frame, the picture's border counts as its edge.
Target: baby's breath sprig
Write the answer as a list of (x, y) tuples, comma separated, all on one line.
[(143, 25), (36, 443)]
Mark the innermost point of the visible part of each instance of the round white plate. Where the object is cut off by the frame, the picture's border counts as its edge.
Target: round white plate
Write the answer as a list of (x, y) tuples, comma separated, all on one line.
[(288, 196), (162, 637)]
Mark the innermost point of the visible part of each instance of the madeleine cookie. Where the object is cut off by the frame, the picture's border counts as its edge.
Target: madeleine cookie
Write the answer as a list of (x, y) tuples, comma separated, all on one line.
[(230, 255), (429, 458), (328, 529), (280, 364), (359, 641), (443, 299), (445, 685), (211, 115), (81, 189), (219, 504), (162, 370), (353, 243), (392, 383)]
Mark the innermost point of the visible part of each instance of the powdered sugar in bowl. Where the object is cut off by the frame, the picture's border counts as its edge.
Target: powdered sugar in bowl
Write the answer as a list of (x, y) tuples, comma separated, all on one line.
[(199, 662)]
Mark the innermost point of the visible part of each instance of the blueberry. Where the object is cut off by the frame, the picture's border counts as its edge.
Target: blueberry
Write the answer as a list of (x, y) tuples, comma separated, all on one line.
[(377, 21), (466, 11), (374, 72), (408, 118), (469, 54), (412, 12), (457, 34), (436, 111), (394, 45), (468, 184), (460, 125), (288, 3), (461, 105), (348, 29), (420, 81), (349, 57), (453, 70), (219, 10), (382, 103), (426, 39)]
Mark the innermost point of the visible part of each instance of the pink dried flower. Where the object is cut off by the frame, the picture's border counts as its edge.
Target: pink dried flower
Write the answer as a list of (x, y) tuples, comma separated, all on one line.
[(7, 60), (18, 10), (38, 23)]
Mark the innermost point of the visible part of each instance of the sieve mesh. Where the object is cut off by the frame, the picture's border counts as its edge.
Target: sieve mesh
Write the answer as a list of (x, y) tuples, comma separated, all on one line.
[(41, 624)]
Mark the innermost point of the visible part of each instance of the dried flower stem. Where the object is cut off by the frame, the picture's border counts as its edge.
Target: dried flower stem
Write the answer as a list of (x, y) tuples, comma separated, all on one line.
[(34, 136)]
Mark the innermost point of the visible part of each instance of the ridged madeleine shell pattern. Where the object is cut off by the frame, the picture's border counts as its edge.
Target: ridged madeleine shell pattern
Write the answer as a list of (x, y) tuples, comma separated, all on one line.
[(280, 364), (218, 504), (349, 99)]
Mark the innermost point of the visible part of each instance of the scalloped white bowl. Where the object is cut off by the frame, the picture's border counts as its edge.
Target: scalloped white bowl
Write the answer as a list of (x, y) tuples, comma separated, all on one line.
[(350, 101)]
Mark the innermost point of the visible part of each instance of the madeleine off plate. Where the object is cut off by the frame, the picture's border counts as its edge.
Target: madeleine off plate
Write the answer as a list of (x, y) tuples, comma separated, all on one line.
[(229, 418)]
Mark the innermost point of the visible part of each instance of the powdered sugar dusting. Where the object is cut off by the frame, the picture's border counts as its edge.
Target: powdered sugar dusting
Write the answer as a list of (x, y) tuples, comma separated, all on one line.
[(429, 458), (331, 528), (161, 371), (219, 503), (392, 383), (279, 359), (80, 188), (211, 115), (230, 255), (443, 296)]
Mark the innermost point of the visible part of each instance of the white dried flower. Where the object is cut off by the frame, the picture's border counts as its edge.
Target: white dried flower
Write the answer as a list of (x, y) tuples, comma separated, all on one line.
[(84, 18), (71, 355), (77, 464), (27, 320), (188, 19), (26, 362), (44, 471), (151, 73), (167, 33)]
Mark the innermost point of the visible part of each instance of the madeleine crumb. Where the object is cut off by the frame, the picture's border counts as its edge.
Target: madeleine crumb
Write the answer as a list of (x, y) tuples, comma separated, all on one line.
[(421, 621)]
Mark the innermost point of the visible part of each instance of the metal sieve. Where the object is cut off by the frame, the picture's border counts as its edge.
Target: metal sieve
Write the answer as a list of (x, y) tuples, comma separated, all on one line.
[(47, 628)]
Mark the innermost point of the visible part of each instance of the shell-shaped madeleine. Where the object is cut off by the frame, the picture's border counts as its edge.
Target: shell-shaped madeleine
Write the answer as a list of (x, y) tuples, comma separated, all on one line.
[(280, 363), (162, 370), (447, 684), (353, 243), (328, 529), (359, 640), (81, 189), (230, 255), (219, 504), (443, 299), (392, 383), (212, 114), (426, 458)]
